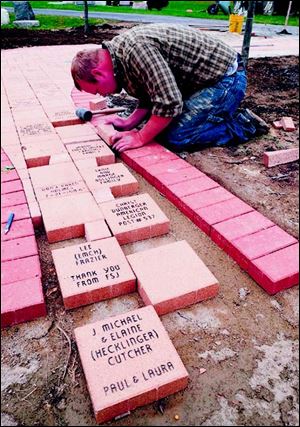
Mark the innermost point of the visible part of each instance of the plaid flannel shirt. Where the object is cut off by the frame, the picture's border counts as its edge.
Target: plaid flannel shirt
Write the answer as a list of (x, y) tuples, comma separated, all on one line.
[(161, 65)]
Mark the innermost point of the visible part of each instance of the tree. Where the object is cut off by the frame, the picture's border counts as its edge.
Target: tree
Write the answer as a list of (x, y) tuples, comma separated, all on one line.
[(248, 32), (157, 4)]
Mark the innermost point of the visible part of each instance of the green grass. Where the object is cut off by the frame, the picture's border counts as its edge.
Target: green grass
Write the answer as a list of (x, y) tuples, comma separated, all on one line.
[(175, 8), (56, 22)]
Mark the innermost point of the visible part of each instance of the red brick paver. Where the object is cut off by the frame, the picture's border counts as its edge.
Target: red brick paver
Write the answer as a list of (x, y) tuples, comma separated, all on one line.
[(63, 117), (57, 180), (98, 104), (13, 199), (277, 271), (22, 301), (9, 175), (20, 211), (288, 124), (59, 158), (103, 195), (18, 248), (22, 228), (280, 157), (11, 187), (248, 248), (20, 269), (64, 217), (39, 154), (105, 131), (54, 174), (36, 215), (225, 232), (278, 124), (96, 230), (206, 217), (21, 289)]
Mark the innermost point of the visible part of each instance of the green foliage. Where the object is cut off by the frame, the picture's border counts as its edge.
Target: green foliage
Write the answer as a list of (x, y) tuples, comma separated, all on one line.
[(56, 22)]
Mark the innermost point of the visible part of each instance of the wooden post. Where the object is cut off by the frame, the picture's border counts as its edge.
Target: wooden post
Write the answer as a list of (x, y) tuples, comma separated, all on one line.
[(248, 32)]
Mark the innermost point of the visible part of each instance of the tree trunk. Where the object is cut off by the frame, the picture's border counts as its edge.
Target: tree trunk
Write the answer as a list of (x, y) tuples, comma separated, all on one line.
[(248, 32), (86, 17)]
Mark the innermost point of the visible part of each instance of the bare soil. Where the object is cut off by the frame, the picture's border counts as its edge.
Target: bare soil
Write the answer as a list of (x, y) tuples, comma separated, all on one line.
[(246, 340), (273, 92), (14, 38)]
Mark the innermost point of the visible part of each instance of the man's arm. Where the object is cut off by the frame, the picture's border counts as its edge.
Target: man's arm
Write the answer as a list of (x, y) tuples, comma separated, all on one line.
[(123, 141), (154, 127), (131, 122), (150, 69)]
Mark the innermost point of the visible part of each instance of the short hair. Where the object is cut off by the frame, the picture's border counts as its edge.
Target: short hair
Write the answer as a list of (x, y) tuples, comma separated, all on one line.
[(82, 64)]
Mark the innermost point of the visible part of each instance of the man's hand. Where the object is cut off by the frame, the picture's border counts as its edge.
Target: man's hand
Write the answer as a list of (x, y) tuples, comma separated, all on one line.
[(118, 123), (123, 141)]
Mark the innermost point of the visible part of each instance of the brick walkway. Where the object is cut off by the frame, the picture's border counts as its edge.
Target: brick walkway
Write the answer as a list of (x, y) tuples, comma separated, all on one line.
[(75, 189), (68, 171)]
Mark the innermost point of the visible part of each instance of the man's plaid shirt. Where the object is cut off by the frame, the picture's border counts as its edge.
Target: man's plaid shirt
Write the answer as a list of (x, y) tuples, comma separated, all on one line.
[(161, 65)]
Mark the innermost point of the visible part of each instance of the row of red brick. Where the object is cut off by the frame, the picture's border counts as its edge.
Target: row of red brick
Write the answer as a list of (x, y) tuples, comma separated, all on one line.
[(21, 288), (269, 256), (264, 250)]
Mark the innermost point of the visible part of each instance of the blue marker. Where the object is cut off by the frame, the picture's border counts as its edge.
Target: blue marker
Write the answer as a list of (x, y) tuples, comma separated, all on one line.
[(9, 222)]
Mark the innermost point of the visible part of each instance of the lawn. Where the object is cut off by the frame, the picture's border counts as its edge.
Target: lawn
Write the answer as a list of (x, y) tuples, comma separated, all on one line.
[(175, 8), (56, 22)]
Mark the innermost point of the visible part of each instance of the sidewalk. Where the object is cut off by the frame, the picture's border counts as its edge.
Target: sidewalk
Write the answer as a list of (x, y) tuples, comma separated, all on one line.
[(261, 46)]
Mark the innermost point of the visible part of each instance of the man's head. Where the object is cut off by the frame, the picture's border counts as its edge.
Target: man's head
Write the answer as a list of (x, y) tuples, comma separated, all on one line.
[(92, 71)]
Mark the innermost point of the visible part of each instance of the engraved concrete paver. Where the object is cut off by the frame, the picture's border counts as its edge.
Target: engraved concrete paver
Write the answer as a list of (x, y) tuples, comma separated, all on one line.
[(57, 180), (135, 218), (147, 367), (171, 277), (116, 177), (91, 150), (93, 272)]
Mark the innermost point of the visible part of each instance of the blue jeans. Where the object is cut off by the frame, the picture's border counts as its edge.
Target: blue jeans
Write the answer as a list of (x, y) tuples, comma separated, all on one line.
[(210, 117)]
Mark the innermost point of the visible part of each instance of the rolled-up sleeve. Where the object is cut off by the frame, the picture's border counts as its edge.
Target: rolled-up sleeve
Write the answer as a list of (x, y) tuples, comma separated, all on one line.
[(154, 75)]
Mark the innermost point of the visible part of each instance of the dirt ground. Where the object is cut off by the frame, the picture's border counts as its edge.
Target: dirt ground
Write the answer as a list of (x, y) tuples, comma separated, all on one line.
[(273, 92), (246, 340)]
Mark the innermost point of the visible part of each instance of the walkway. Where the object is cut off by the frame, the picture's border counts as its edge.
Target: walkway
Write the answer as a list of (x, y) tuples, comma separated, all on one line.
[(233, 336)]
